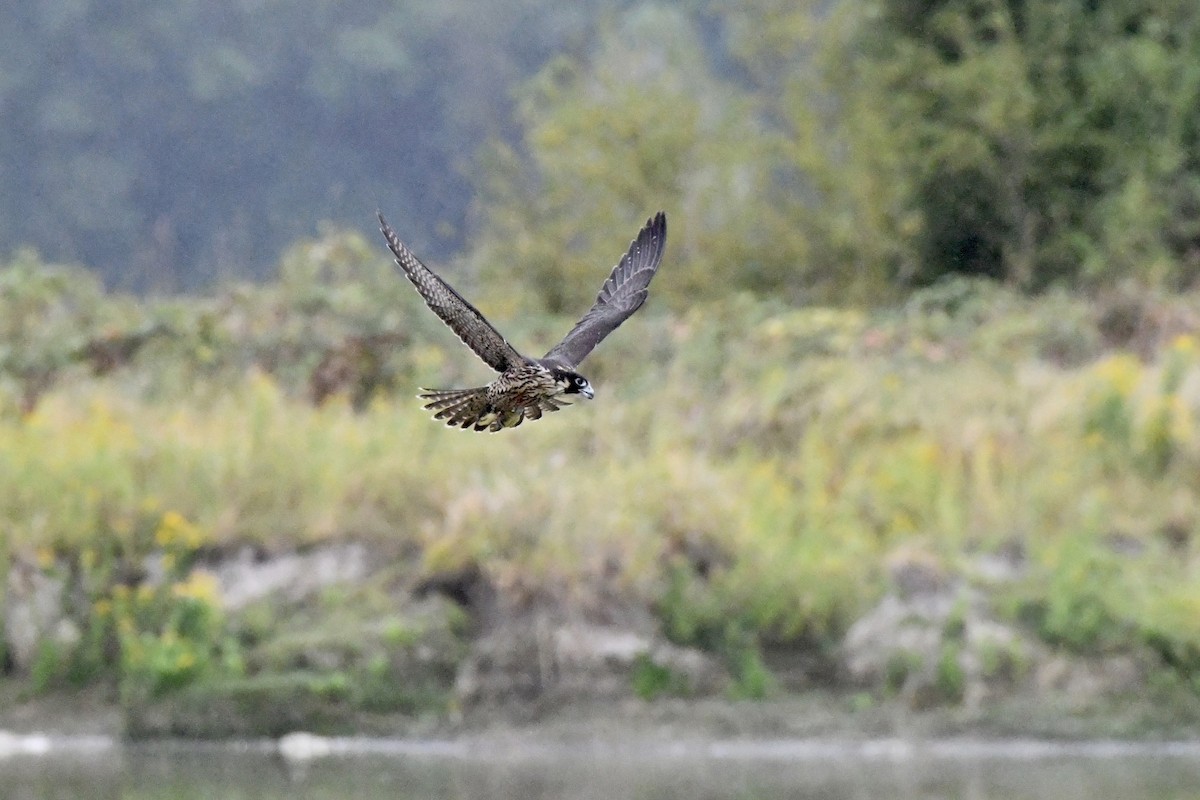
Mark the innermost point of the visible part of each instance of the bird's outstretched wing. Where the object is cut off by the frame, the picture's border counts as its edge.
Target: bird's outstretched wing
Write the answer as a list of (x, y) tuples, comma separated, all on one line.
[(453, 309), (621, 295)]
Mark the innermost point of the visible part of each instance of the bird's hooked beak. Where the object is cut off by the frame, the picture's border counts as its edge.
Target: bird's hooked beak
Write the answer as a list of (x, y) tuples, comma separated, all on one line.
[(588, 392)]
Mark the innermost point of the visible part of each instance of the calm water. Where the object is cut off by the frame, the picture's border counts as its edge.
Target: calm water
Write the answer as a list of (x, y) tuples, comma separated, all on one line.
[(766, 772)]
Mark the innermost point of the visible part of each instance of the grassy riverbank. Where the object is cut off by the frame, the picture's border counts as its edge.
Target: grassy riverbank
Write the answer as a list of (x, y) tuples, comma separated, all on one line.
[(756, 477)]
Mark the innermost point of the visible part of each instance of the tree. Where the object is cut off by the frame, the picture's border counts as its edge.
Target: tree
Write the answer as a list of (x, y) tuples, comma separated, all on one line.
[(1034, 141), (170, 144), (640, 122)]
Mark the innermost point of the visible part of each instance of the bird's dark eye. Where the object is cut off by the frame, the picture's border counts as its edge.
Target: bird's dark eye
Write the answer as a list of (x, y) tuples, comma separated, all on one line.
[(580, 381)]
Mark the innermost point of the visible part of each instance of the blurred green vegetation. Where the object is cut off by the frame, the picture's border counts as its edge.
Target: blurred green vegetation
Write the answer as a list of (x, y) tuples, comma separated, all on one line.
[(836, 152), (172, 146), (746, 469), (928, 285), (812, 151)]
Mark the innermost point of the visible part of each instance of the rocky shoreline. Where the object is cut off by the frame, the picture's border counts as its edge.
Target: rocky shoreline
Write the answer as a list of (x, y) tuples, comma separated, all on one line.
[(791, 728), (337, 641)]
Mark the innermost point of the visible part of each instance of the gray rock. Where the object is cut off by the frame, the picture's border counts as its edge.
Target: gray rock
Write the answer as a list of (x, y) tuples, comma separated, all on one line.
[(936, 647), (539, 656), (1082, 680), (294, 576), (895, 628), (34, 613)]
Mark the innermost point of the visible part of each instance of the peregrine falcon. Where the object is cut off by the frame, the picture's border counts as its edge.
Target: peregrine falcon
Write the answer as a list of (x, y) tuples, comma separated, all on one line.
[(528, 387)]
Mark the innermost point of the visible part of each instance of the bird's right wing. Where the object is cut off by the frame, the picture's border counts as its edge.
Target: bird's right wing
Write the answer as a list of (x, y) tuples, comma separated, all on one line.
[(621, 295), (453, 309)]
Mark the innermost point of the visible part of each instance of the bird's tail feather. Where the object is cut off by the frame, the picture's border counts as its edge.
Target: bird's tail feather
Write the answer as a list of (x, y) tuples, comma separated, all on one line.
[(462, 408)]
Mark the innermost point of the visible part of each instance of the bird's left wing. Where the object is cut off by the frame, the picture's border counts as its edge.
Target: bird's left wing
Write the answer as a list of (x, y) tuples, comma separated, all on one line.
[(621, 295), (453, 309)]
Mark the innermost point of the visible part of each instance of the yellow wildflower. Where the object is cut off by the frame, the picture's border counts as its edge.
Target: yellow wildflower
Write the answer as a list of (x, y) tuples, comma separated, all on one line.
[(928, 453), (1184, 344), (174, 528), (1182, 419), (1122, 372), (902, 522), (45, 557), (200, 585)]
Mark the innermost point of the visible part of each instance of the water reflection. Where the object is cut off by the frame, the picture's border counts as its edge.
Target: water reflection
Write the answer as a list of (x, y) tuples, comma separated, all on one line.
[(179, 774)]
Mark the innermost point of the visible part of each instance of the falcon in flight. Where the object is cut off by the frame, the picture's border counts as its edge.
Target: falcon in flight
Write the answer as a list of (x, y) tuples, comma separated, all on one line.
[(528, 387)]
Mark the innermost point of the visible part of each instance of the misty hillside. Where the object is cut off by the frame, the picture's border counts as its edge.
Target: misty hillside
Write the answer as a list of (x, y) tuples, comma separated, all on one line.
[(837, 151)]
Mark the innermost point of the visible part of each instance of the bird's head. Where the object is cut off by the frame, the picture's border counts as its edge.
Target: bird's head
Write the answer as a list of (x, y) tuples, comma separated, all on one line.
[(573, 383)]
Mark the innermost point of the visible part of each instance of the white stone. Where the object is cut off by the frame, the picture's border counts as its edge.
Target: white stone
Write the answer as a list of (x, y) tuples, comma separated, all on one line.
[(300, 746)]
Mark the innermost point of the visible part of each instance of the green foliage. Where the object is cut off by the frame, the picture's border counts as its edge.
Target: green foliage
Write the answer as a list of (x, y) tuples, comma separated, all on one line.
[(696, 615), (641, 122), (49, 664), (169, 633), (652, 680), (951, 679), (689, 612), (901, 665), (1080, 609), (856, 151), (1035, 142), (1000, 662), (839, 151), (787, 451), (1139, 416), (160, 634), (752, 678), (1109, 416)]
